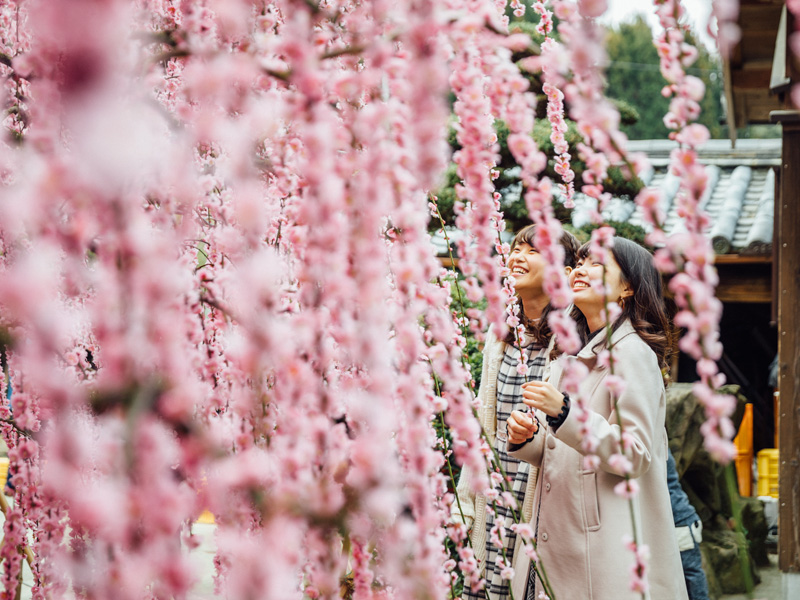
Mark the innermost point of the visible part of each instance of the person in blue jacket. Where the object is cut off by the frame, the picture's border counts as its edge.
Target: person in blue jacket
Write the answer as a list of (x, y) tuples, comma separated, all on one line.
[(689, 531)]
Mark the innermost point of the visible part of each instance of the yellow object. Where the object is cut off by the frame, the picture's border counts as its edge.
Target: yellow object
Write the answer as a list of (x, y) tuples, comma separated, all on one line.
[(206, 517), (768, 472), (744, 452), (3, 469)]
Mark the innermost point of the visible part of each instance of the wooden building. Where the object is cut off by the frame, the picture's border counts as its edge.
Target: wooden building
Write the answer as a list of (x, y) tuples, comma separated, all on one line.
[(759, 77)]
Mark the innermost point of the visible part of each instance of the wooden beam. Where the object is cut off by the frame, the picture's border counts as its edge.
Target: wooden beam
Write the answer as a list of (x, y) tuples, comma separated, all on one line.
[(743, 280), (730, 107), (742, 259), (755, 77), (758, 45), (773, 315), (788, 243), (756, 106), (754, 291), (759, 26), (759, 17), (779, 81), (447, 262)]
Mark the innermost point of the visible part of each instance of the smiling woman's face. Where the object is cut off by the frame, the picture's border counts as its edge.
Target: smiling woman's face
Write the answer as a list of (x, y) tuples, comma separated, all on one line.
[(589, 298), (527, 269)]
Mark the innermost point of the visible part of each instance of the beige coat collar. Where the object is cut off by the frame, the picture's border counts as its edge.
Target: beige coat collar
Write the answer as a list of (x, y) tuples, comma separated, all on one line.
[(588, 351)]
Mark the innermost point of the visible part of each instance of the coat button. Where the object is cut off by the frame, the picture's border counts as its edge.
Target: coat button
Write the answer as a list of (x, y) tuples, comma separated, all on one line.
[(551, 442), (547, 486), (544, 536)]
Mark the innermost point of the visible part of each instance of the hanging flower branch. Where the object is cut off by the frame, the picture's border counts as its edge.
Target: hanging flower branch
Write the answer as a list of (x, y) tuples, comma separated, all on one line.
[(232, 303), (690, 256)]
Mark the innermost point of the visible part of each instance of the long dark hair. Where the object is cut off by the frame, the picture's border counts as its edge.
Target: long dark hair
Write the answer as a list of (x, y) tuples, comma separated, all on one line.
[(645, 308), (540, 330)]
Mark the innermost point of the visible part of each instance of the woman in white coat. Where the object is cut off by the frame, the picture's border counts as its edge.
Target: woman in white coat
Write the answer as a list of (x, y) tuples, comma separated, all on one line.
[(579, 520), (501, 392)]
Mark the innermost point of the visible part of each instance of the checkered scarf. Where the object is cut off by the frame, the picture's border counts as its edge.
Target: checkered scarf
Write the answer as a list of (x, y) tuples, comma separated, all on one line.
[(509, 397)]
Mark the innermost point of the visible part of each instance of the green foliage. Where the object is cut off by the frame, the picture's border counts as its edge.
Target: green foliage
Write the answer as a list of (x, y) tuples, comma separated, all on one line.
[(616, 184), (633, 75), (635, 233), (763, 131), (621, 184), (643, 103), (473, 352), (628, 115), (516, 212), (474, 355), (529, 28), (446, 199)]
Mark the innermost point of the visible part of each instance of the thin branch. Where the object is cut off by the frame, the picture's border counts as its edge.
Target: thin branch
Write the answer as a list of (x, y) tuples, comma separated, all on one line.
[(282, 75), (23, 548), (157, 37), (347, 50), (165, 56), (19, 429), (208, 300)]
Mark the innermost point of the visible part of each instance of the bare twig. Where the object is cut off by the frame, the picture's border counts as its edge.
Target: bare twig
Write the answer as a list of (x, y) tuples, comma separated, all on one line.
[(19, 429), (24, 549), (347, 50)]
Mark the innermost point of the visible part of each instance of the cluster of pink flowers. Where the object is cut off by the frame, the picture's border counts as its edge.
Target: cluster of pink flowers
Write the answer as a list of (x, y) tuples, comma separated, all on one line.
[(558, 131), (479, 207), (545, 24), (722, 25), (217, 290), (220, 305), (14, 44), (690, 254), (638, 575)]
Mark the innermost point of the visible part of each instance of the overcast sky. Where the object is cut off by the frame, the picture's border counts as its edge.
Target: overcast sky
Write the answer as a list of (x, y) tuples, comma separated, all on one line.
[(625, 10)]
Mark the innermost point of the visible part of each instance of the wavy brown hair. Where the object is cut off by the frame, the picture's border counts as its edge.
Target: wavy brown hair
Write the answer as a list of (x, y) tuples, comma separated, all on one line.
[(645, 308), (540, 330)]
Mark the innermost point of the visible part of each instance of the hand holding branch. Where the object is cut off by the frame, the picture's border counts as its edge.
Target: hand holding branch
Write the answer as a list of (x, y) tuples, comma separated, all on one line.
[(543, 396), (521, 427)]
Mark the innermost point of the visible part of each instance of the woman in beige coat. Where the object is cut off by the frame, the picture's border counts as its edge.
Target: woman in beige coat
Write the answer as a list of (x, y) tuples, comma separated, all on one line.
[(501, 392), (579, 520)]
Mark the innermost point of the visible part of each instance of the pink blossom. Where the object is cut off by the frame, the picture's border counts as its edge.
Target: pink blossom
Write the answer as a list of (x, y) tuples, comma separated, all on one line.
[(628, 440), (524, 530), (592, 8), (620, 464), (530, 551), (615, 385), (627, 489), (694, 135), (240, 309), (591, 462)]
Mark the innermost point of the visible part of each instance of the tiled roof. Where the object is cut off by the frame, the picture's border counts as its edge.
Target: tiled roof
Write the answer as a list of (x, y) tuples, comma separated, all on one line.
[(739, 197)]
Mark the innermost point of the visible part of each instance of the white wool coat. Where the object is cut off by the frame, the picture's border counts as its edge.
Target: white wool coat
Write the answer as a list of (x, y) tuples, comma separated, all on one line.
[(581, 520)]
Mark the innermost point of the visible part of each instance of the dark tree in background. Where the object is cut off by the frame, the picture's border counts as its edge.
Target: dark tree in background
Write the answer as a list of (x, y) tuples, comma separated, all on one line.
[(633, 76)]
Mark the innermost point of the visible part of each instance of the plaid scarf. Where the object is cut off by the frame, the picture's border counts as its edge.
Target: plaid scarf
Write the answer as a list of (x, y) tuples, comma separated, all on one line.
[(509, 397)]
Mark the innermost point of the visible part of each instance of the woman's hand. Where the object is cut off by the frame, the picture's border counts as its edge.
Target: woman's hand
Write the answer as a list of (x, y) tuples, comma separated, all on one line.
[(521, 427), (544, 396)]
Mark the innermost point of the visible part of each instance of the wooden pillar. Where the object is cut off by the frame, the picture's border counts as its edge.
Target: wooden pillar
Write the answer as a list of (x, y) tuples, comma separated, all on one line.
[(787, 241)]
